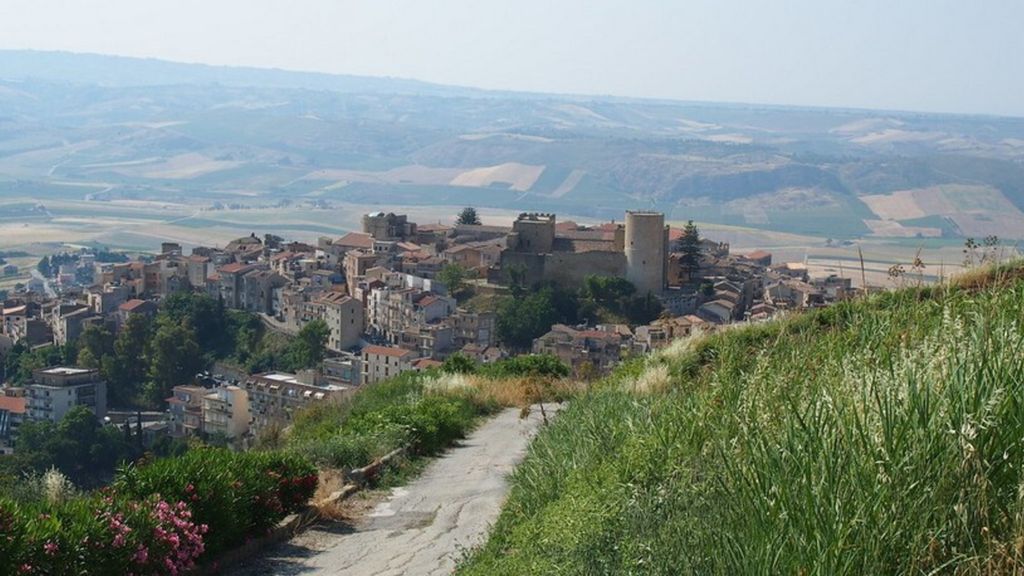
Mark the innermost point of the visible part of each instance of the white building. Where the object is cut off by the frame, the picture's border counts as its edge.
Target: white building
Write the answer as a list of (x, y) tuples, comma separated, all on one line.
[(55, 391), (383, 362), (226, 411)]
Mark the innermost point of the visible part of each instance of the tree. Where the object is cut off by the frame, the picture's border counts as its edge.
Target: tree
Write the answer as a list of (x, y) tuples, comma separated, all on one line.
[(77, 446), (689, 248), (459, 363), (454, 276), (94, 344), (468, 216), (44, 267), (307, 349), (174, 360), (206, 316), (126, 369), (517, 279), (520, 320)]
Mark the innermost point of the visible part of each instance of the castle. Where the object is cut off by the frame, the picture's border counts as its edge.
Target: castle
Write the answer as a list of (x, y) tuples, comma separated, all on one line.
[(538, 250)]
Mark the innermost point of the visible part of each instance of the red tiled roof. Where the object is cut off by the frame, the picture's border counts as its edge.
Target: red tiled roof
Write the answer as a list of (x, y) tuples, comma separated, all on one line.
[(334, 298), (132, 305), (597, 334), (13, 404), (759, 254), (427, 300), (674, 234), (234, 268), (356, 240), (386, 351), (424, 363)]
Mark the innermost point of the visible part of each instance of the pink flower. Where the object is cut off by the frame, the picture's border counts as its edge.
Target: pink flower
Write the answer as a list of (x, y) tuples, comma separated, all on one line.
[(141, 555), (51, 548)]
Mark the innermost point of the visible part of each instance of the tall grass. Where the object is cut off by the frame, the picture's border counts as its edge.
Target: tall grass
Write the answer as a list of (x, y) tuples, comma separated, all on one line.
[(880, 436)]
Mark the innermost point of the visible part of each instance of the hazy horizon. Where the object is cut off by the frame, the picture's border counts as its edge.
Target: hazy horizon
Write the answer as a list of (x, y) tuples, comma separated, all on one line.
[(917, 56)]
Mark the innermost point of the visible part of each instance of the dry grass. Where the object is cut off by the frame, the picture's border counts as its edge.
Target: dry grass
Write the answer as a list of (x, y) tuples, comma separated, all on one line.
[(503, 392)]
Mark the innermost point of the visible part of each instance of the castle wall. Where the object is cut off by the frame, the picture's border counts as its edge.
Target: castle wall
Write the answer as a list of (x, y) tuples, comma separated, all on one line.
[(573, 267), (568, 268)]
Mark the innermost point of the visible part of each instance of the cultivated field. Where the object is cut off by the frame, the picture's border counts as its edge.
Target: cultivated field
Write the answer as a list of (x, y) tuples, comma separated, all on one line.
[(517, 176)]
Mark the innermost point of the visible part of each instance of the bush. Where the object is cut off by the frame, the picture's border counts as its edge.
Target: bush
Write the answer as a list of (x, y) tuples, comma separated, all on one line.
[(380, 418), (99, 535), (238, 495), (534, 365)]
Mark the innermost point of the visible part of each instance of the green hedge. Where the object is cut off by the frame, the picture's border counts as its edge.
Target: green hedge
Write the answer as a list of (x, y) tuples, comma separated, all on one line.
[(159, 518)]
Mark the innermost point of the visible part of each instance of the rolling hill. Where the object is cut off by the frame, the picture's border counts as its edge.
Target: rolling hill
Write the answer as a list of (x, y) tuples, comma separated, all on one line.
[(100, 128)]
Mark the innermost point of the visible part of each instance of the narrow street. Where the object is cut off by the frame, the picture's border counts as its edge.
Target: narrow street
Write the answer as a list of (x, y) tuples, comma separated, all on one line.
[(421, 528)]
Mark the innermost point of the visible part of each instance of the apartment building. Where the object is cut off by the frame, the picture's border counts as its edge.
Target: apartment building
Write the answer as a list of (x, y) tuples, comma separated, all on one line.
[(226, 412), (53, 392)]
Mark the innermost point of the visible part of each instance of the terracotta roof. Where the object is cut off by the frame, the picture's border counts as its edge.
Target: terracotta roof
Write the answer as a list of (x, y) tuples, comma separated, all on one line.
[(12, 404), (427, 300), (607, 227), (356, 240), (387, 351), (234, 268), (759, 254), (198, 258), (334, 298), (674, 234), (597, 334), (134, 304), (283, 256), (424, 363)]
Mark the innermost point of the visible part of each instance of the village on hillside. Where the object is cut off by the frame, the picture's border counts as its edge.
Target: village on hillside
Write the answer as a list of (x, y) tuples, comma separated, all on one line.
[(396, 297)]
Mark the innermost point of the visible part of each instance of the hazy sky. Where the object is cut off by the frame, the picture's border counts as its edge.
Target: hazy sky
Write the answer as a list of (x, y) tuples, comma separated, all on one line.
[(930, 55)]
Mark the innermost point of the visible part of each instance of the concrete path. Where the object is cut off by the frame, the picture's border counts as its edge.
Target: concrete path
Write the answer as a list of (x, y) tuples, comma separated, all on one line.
[(424, 527)]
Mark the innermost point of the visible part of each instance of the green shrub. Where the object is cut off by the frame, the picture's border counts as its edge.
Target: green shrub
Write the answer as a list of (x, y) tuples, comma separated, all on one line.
[(238, 495), (535, 365), (98, 535), (380, 418)]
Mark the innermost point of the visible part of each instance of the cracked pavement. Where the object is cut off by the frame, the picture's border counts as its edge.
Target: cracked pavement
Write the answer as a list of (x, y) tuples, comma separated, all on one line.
[(422, 528)]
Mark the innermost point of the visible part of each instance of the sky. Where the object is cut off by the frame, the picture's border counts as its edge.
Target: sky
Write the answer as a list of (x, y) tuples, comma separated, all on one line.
[(963, 56)]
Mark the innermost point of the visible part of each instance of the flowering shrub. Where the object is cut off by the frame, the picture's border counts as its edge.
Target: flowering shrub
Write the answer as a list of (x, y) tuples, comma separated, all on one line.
[(99, 535), (161, 518), (238, 495)]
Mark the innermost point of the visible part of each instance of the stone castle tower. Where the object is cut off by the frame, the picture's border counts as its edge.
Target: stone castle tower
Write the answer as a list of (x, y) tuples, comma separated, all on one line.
[(646, 251)]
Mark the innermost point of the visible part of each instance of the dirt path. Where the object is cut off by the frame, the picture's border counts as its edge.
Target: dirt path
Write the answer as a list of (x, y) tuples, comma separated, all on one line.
[(421, 528)]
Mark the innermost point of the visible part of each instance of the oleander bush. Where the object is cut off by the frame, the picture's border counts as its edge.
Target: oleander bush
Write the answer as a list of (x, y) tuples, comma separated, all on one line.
[(99, 535), (238, 495), (161, 517)]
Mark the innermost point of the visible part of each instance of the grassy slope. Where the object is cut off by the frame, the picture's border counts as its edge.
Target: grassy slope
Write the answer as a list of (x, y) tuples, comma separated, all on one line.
[(877, 437)]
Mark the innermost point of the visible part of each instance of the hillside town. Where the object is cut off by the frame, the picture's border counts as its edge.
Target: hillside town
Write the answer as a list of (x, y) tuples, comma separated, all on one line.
[(397, 296)]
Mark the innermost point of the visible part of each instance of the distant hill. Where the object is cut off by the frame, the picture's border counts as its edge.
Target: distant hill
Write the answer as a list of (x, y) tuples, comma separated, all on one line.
[(103, 127), (119, 71)]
